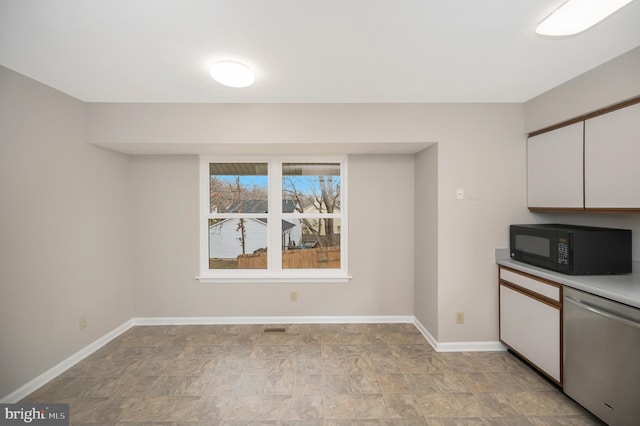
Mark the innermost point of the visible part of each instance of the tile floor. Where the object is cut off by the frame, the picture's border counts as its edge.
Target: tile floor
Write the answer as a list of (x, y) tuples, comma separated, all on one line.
[(330, 374)]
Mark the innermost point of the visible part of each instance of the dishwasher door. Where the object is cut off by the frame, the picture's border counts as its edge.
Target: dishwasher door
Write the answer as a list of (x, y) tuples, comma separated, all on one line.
[(602, 356)]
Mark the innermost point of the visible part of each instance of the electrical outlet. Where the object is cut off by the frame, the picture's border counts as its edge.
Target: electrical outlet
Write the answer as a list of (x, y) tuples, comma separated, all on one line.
[(82, 323), (294, 296), (459, 317)]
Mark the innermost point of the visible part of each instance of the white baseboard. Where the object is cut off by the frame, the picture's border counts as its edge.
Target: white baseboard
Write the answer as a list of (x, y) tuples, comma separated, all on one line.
[(273, 320), (471, 347), (63, 366), (432, 341), (458, 346)]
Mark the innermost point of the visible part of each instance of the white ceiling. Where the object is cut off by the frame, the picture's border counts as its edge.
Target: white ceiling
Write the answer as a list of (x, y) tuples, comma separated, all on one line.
[(303, 50)]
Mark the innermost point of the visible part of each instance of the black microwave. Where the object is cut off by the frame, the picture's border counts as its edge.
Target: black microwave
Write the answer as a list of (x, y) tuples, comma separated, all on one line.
[(572, 249)]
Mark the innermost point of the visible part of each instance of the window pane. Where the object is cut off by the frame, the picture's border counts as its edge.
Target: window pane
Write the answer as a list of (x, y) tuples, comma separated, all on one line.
[(311, 243), (238, 188), (238, 243), (311, 187)]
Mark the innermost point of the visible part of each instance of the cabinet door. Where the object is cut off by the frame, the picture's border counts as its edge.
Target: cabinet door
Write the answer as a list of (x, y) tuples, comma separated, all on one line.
[(532, 329), (612, 159), (555, 168)]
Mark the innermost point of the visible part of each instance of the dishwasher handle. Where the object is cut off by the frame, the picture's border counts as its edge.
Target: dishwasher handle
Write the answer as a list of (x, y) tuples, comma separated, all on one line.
[(599, 311)]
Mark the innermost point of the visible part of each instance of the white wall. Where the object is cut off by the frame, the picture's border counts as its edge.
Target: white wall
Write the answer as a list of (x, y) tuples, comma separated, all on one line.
[(615, 81), (64, 231), (380, 252)]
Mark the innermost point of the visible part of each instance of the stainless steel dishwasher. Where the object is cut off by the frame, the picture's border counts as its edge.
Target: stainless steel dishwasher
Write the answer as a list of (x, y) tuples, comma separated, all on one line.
[(602, 356)]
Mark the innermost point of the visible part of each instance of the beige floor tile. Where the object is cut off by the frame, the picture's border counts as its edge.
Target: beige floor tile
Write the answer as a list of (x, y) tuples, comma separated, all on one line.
[(160, 409), (364, 384), (402, 405), (393, 383), (491, 382), (221, 385), (497, 405), (309, 366), (385, 365), (370, 407), (307, 384), (330, 375), (537, 404), (449, 383), (210, 409), (411, 350), (250, 385), (304, 407), (421, 383), (279, 384), (336, 384), (242, 408), (99, 410), (339, 407), (411, 365), (309, 351), (274, 408), (456, 405), (274, 351)]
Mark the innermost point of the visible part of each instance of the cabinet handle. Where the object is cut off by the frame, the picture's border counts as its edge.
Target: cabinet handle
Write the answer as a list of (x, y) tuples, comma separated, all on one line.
[(601, 312)]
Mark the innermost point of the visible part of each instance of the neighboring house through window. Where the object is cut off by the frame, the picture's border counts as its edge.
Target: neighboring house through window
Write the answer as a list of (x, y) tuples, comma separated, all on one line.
[(273, 220)]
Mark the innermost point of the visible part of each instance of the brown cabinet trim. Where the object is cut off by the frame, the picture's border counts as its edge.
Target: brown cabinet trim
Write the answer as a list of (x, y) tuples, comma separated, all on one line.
[(587, 116), (609, 210), (540, 298), (544, 299), (582, 118)]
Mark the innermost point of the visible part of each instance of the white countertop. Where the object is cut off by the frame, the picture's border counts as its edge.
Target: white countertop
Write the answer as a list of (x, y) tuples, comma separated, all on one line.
[(620, 288)]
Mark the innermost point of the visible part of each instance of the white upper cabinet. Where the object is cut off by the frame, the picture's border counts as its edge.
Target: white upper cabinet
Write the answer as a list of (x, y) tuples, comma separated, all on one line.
[(555, 168), (612, 159)]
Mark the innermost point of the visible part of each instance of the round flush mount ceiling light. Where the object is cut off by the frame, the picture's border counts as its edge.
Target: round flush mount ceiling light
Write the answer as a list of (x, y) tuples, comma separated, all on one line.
[(232, 74)]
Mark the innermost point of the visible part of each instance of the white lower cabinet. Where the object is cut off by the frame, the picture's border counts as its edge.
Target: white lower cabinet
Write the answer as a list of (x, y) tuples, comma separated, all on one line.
[(530, 320)]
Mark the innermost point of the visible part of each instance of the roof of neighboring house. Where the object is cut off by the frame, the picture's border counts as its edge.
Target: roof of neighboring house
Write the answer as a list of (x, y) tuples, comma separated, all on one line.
[(285, 224), (259, 206)]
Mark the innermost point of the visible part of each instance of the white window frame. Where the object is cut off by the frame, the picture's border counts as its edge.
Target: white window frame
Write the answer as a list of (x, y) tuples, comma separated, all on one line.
[(274, 271)]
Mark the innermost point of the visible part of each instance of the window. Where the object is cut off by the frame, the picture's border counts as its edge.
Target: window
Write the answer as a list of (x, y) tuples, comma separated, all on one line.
[(273, 220)]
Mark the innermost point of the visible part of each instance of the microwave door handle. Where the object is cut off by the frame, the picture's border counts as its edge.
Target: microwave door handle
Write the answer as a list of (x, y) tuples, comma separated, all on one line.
[(598, 311)]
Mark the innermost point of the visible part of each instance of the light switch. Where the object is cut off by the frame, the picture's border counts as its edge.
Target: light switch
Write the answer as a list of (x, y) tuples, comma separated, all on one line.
[(460, 193)]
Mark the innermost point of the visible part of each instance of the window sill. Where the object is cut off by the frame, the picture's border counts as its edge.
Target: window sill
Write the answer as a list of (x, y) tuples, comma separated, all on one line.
[(333, 278)]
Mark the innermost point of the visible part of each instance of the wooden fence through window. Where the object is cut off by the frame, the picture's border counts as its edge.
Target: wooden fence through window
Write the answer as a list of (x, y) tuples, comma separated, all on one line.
[(315, 258)]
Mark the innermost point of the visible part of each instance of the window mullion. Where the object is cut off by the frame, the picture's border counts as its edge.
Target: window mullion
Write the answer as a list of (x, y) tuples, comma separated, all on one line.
[(275, 216), (204, 212)]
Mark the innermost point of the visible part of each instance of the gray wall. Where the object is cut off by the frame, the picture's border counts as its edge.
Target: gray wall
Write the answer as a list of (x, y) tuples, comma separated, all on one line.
[(64, 231)]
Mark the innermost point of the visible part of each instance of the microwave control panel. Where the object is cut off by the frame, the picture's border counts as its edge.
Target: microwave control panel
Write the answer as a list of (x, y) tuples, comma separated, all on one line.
[(563, 251)]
